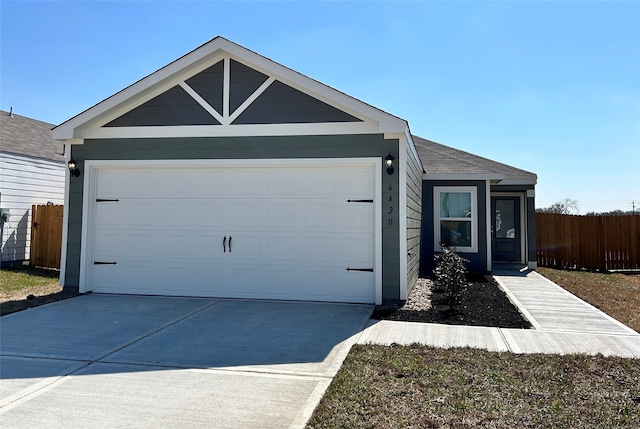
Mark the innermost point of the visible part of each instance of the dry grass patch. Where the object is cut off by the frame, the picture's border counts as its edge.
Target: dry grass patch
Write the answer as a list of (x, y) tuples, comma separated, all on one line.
[(618, 295), (26, 287), (423, 387)]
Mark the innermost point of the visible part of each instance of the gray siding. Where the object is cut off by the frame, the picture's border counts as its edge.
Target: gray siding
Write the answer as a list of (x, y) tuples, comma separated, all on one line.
[(342, 146), (477, 261), (173, 107), (209, 84), (243, 82), (414, 217), (282, 104)]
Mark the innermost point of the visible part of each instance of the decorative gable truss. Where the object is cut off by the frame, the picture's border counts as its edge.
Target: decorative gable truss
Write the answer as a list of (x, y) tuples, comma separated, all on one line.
[(223, 89), (231, 93)]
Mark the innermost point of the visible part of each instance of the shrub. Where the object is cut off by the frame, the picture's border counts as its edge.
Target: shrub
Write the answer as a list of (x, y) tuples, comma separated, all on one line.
[(450, 274)]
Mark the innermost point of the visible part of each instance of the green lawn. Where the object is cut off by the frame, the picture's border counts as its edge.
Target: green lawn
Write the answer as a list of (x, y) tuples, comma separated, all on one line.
[(17, 284)]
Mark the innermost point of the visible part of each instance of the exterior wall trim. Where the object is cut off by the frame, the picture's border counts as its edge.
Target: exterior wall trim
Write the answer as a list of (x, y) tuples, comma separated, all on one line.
[(65, 220), (402, 212), (463, 176), (186, 131), (91, 168), (489, 239)]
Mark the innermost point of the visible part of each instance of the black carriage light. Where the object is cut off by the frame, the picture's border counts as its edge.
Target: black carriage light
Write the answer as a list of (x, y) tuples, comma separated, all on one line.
[(73, 168), (389, 162)]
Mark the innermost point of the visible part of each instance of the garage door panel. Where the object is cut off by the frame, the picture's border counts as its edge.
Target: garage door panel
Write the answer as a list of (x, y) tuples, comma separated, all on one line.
[(108, 245), (320, 284), (177, 277), (211, 214), (321, 183), (281, 214), (282, 183), (210, 183), (357, 250), (109, 215), (246, 247), (247, 214), (112, 183), (248, 282), (294, 233), (144, 246), (358, 183), (206, 247), (355, 286), (319, 248), (247, 182), (178, 247), (321, 215), (280, 248), (280, 283), (142, 214), (357, 217)]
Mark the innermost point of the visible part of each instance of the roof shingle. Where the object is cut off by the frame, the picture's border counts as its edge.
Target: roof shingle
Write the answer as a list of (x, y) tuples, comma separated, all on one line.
[(440, 159), (26, 136)]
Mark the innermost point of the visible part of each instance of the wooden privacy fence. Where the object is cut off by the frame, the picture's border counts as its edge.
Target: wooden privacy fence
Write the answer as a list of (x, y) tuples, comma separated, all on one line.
[(588, 242), (46, 236)]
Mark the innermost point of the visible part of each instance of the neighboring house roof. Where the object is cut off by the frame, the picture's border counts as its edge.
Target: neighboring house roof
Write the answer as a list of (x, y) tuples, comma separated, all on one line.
[(88, 123), (25, 136), (444, 162)]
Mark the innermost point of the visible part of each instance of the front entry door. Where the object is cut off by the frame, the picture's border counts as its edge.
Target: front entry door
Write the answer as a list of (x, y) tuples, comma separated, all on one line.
[(506, 229)]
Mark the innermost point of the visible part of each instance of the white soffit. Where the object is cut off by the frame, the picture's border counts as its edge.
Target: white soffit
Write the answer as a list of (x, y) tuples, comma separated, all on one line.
[(88, 123)]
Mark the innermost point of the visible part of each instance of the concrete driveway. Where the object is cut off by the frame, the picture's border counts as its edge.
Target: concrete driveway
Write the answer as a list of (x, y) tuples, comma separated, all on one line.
[(128, 361)]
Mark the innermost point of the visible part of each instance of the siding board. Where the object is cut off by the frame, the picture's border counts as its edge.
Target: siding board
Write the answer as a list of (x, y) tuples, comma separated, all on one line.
[(414, 217), (25, 181)]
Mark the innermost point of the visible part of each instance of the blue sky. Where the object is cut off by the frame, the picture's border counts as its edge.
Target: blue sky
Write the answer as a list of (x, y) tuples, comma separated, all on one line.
[(549, 87)]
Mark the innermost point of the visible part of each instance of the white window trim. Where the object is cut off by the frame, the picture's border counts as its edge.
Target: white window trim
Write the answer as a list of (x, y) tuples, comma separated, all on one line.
[(437, 190)]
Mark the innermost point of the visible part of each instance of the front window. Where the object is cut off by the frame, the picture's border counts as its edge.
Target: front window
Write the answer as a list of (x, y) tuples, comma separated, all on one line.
[(456, 218)]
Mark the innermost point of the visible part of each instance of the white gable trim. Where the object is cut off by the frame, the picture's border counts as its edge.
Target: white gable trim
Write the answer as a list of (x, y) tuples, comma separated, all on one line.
[(463, 176), (233, 131), (88, 122), (202, 102)]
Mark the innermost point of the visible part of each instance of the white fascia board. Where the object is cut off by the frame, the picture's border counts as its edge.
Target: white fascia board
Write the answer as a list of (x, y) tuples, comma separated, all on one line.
[(460, 176), (185, 131), (519, 181), (199, 59)]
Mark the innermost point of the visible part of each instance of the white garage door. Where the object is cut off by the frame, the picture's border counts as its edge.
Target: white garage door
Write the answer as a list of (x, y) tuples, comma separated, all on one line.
[(295, 232)]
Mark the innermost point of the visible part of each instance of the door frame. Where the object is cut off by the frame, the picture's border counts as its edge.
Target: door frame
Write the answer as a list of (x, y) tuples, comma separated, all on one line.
[(91, 169), (523, 223)]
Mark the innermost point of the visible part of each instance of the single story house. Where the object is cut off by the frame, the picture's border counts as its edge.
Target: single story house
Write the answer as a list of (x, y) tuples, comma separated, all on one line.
[(32, 171), (227, 174)]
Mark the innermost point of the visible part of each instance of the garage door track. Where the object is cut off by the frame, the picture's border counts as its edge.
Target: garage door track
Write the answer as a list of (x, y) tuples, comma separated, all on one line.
[(123, 361)]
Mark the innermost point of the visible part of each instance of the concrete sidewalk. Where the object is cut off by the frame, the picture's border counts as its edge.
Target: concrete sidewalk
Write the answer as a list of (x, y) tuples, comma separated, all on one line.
[(562, 324)]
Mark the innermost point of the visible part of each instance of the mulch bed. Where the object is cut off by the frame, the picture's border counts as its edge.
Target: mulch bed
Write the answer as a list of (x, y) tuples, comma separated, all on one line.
[(484, 304)]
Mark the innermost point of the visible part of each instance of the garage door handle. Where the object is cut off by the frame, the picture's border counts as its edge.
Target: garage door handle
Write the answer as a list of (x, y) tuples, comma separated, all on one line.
[(224, 244), (230, 244)]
